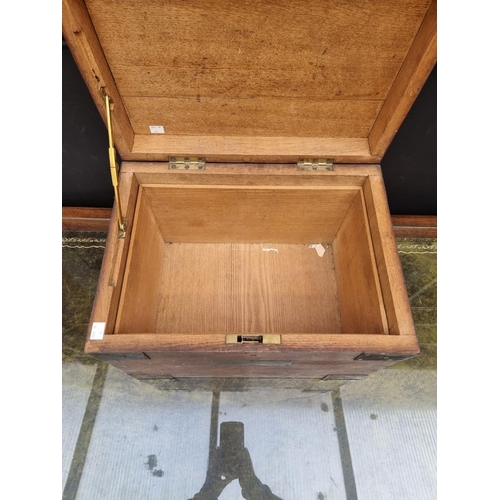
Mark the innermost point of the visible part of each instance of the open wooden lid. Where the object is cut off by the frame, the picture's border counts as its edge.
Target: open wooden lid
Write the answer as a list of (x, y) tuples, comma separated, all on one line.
[(254, 80)]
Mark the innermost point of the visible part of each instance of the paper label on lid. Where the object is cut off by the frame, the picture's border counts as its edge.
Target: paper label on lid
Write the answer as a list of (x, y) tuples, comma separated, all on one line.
[(156, 129), (97, 332)]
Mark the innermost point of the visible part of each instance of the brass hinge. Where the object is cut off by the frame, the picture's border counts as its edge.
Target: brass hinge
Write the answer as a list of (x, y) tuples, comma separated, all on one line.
[(319, 164), (181, 163), (113, 166)]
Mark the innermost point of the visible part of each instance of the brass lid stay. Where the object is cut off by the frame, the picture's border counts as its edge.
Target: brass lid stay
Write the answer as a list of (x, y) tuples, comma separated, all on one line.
[(122, 225)]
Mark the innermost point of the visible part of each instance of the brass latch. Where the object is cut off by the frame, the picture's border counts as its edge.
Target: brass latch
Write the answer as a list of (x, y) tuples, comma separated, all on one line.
[(320, 164), (181, 163), (122, 225), (267, 338)]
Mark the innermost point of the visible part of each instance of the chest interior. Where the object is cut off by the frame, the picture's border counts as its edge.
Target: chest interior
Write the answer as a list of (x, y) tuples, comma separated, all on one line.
[(235, 253)]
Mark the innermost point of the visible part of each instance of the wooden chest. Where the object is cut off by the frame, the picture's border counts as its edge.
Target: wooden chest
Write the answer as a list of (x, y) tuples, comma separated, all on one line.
[(251, 235)]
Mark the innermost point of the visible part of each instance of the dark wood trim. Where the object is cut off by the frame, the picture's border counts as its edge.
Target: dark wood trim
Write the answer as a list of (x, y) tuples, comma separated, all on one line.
[(97, 219), (85, 219), (415, 226), (86, 213), (414, 220)]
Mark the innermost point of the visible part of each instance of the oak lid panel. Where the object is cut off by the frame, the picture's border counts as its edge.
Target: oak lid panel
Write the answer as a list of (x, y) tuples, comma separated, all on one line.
[(320, 49), (320, 69)]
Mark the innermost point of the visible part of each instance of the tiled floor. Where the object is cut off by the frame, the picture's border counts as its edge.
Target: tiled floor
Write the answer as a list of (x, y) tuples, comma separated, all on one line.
[(126, 439)]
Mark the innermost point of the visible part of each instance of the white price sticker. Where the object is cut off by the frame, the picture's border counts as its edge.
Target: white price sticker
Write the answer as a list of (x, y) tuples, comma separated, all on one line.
[(156, 129), (97, 332)]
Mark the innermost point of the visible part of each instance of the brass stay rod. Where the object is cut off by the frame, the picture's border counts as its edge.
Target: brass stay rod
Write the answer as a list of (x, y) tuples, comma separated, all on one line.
[(114, 170)]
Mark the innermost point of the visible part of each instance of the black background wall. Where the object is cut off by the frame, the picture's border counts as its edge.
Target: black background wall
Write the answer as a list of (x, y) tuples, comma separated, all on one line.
[(409, 166)]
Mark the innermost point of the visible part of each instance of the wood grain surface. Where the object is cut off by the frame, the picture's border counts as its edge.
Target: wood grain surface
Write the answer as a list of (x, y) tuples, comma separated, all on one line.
[(97, 219), (86, 49), (415, 226), (390, 272), (314, 48), (242, 149), (249, 214), (241, 174), (179, 300), (342, 345), (360, 299), (257, 117), (85, 219), (141, 282), (107, 296), (232, 81), (417, 66), (238, 288), (303, 365)]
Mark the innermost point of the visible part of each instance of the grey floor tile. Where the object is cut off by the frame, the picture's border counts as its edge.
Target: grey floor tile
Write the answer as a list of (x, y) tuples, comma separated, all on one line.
[(76, 386), (292, 441), (146, 443), (391, 424)]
